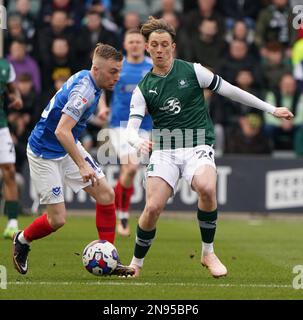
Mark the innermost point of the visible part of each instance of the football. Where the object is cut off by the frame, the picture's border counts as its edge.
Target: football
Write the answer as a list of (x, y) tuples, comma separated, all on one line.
[(100, 257)]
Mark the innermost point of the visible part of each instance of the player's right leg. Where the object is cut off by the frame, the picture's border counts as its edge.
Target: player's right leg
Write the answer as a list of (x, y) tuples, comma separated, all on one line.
[(46, 176), (158, 192), (10, 190)]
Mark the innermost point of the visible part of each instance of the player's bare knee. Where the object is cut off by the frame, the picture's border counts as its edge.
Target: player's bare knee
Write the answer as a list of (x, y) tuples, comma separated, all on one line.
[(152, 210), (206, 192), (106, 197), (8, 172), (56, 222)]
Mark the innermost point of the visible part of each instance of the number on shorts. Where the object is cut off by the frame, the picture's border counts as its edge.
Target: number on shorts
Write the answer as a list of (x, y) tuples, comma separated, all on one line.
[(11, 148)]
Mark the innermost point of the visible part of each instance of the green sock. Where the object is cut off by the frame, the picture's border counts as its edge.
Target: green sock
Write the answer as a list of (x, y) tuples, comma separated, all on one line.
[(208, 224), (11, 209), (144, 240)]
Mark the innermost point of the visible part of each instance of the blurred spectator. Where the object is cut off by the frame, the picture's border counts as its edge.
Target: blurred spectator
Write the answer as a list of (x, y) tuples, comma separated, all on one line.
[(234, 10), (109, 9), (283, 132), (23, 9), (297, 59), (206, 46), (14, 32), (73, 8), (248, 137), (274, 24), (181, 38), (61, 61), (92, 33), (131, 20), (22, 121), (59, 27), (206, 10), (242, 33), (167, 7), (274, 66), (23, 63), (237, 59)]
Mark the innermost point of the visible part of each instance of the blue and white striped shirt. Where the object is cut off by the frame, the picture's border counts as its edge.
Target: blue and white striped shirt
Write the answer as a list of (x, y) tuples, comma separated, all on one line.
[(77, 98)]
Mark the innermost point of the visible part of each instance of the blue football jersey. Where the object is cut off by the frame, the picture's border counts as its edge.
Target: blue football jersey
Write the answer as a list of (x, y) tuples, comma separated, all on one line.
[(77, 98), (131, 75)]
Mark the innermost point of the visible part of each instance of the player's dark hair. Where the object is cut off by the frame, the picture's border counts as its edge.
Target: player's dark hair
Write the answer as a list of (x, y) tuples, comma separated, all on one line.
[(158, 26), (107, 52)]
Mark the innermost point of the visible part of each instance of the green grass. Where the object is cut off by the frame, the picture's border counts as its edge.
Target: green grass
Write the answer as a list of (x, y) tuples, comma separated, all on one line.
[(260, 259)]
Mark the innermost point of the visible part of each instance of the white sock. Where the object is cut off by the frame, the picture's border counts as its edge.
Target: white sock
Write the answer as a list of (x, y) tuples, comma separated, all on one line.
[(22, 239), (137, 262), (123, 215), (12, 223), (207, 248)]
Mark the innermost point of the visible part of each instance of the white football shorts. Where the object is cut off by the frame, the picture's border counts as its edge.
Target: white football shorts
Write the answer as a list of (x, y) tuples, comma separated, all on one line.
[(173, 164), (7, 148), (49, 176)]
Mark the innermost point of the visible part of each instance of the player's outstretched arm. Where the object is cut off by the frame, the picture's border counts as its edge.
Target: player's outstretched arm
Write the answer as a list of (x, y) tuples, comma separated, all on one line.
[(234, 93), (215, 83)]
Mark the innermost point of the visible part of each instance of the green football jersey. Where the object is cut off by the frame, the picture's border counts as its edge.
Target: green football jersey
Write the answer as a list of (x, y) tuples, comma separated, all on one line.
[(177, 106), (4, 78)]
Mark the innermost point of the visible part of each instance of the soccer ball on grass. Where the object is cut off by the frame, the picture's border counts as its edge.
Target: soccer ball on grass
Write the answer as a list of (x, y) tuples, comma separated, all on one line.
[(100, 257)]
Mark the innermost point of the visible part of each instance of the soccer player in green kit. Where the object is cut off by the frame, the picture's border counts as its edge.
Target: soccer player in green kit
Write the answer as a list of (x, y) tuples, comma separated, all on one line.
[(7, 150), (172, 93)]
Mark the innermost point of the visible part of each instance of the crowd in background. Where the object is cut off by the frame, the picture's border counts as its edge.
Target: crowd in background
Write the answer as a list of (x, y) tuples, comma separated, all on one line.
[(251, 44)]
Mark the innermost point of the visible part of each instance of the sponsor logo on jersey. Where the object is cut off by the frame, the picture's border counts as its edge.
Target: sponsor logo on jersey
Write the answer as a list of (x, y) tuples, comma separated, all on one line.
[(73, 110), (154, 91), (171, 105)]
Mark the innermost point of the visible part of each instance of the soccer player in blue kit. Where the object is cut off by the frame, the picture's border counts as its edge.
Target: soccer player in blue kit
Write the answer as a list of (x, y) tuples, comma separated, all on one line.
[(135, 66), (56, 157)]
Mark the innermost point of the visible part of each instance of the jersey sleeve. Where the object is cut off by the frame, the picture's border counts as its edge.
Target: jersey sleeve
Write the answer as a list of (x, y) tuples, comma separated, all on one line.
[(12, 74), (137, 104), (207, 79), (80, 99)]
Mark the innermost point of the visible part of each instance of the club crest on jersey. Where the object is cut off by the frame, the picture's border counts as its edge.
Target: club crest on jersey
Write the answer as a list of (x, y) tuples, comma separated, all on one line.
[(56, 191), (183, 83), (171, 105)]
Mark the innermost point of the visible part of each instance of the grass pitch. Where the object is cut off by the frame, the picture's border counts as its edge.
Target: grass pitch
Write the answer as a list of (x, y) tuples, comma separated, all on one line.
[(260, 256)]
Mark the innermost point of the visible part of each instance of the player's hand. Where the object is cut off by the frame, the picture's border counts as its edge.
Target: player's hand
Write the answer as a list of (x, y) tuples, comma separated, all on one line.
[(88, 173), (103, 115), (145, 146), (283, 113), (16, 102)]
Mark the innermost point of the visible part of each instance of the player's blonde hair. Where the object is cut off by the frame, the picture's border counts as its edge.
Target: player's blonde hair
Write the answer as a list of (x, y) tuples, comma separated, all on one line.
[(158, 26), (106, 51)]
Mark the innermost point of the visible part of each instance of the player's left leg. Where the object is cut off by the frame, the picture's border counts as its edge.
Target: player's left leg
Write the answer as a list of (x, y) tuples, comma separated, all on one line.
[(204, 183), (10, 195), (123, 192)]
